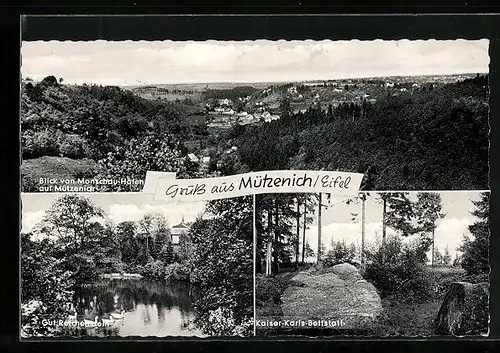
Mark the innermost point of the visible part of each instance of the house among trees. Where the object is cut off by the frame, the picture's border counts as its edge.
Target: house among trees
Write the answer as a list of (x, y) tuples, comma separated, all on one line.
[(179, 234), (225, 102), (193, 158)]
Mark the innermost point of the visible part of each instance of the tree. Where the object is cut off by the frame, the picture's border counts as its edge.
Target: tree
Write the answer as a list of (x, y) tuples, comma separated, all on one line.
[(222, 262), (339, 253), (309, 252), (397, 212), (446, 257), (70, 219), (129, 247), (438, 257), (307, 209), (428, 210), (167, 253), (475, 258), (154, 227), (133, 158), (46, 287), (285, 107)]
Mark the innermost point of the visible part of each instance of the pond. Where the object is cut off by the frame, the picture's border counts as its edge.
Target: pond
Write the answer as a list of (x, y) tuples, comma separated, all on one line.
[(138, 308)]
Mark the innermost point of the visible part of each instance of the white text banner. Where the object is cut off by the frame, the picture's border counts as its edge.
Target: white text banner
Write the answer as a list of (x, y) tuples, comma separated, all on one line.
[(266, 182)]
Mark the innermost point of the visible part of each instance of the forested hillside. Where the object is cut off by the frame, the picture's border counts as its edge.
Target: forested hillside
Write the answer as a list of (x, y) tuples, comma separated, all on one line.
[(430, 139), (91, 130)]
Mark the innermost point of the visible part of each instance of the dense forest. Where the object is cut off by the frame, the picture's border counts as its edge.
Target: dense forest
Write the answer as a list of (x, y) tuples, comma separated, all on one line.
[(116, 133), (434, 137)]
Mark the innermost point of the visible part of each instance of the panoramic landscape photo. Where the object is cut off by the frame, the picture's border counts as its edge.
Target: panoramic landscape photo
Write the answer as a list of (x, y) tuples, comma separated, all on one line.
[(122, 265), (389, 264), (410, 115)]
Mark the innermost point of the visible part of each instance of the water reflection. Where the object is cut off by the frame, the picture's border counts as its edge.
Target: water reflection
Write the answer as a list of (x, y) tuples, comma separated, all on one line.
[(138, 308)]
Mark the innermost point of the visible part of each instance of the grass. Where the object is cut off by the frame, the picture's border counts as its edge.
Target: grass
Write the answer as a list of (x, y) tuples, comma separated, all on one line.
[(53, 167)]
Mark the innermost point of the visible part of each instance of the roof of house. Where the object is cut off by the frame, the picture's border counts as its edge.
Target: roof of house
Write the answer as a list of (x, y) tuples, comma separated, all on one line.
[(181, 225)]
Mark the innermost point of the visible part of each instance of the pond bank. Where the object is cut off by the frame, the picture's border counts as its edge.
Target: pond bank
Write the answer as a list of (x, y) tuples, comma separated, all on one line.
[(121, 276)]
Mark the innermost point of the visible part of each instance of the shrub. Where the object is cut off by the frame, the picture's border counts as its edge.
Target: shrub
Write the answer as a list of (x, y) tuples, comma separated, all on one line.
[(177, 272), (339, 253), (29, 184), (73, 146), (398, 268), (267, 289), (42, 143), (218, 316), (154, 269)]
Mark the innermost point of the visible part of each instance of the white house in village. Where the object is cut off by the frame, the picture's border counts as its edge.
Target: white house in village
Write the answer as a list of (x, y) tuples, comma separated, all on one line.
[(224, 102), (205, 160), (193, 158)]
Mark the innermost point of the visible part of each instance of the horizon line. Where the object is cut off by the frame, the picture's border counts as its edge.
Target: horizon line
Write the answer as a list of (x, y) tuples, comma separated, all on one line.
[(272, 82)]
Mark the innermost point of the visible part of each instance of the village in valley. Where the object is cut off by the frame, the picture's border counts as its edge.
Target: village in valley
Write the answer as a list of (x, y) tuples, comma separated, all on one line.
[(219, 107)]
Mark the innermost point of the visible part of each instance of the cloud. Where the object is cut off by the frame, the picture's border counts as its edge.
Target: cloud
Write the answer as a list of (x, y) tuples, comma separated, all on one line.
[(172, 212), (449, 233), (128, 62)]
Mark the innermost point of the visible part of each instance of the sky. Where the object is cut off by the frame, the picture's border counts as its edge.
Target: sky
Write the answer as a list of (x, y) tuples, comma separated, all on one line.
[(165, 62), (337, 221), (118, 207)]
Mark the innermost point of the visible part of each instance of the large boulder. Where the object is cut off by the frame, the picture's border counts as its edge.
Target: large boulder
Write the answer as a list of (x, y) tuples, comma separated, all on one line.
[(465, 310), (338, 297)]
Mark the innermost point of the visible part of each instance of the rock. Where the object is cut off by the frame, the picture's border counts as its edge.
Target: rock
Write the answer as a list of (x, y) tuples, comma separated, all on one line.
[(465, 310), (339, 294), (347, 271)]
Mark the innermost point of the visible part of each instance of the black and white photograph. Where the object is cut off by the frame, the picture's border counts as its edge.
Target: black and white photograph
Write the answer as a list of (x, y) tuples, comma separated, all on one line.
[(410, 264), (123, 265), (408, 114)]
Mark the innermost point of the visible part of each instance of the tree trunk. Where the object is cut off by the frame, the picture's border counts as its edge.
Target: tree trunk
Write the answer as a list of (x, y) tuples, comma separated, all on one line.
[(384, 228), (269, 242), (304, 232), (319, 231), (258, 263), (297, 245), (363, 216), (432, 255), (275, 264)]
